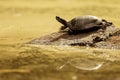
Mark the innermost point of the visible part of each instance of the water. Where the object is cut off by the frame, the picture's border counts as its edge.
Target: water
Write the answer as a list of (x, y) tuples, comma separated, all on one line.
[(39, 62)]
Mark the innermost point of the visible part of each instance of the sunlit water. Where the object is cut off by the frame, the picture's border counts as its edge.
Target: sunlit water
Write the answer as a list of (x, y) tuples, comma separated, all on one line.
[(53, 62)]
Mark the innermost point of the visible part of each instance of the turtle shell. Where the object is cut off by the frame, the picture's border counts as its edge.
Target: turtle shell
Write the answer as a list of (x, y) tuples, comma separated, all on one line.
[(84, 22)]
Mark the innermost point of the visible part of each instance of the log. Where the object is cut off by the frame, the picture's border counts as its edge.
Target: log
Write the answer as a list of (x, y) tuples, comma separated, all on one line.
[(99, 38)]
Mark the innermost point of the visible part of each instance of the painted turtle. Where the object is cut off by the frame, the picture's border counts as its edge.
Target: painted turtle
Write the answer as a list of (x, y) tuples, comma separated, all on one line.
[(86, 23)]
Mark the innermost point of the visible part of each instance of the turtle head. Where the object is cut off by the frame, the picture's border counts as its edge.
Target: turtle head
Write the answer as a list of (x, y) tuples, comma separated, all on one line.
[(62, 21)]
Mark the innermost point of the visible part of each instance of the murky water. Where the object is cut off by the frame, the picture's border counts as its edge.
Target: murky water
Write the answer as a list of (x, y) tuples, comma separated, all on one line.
[(39, 62)]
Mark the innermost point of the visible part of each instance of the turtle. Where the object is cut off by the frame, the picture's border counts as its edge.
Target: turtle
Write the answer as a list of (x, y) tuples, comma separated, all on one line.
[(85, 23)]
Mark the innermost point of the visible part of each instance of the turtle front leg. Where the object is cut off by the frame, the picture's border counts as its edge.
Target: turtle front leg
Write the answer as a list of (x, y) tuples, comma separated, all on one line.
[(63, 27), (71, 32)]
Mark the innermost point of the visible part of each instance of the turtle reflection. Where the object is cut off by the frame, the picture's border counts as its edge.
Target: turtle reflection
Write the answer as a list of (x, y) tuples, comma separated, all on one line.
[(84, 64)]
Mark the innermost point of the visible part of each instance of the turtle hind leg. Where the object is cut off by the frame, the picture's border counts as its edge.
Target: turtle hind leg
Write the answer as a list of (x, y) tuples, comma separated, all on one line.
[(107, 23)]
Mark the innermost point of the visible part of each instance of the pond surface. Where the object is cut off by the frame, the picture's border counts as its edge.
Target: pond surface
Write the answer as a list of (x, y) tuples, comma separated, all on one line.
[(39, 62)]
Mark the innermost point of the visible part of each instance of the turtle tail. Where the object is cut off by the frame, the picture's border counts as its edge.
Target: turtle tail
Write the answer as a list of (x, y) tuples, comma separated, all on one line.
[(62, 21)]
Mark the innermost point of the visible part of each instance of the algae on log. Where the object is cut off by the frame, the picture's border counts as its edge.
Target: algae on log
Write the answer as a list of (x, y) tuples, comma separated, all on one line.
[(99, 38)]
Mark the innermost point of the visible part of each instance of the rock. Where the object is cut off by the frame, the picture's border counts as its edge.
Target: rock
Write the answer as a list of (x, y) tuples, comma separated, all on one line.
[(100, 38), (111, 43)]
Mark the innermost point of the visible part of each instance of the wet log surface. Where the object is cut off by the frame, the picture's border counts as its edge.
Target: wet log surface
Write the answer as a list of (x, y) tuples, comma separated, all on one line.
[(108, 38)]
